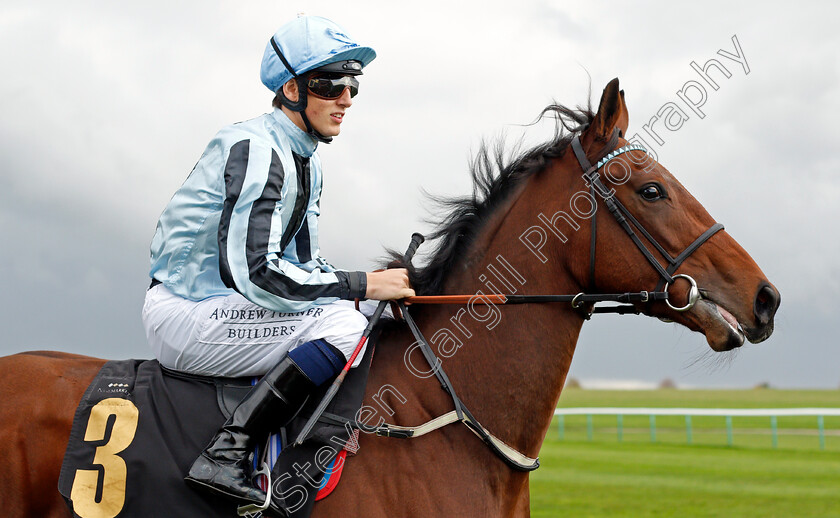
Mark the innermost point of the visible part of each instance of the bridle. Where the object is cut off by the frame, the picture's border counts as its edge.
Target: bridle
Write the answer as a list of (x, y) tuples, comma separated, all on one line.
[(630, 224), (627, 221)]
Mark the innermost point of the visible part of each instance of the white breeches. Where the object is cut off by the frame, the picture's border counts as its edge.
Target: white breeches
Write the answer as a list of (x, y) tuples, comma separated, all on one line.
[(231, 336)]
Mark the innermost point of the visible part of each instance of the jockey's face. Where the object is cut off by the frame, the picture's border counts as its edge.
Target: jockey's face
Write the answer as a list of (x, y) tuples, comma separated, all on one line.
[(325, 115)]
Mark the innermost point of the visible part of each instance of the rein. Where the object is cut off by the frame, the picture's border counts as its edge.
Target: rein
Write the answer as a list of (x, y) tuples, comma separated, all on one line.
[(630, 224)]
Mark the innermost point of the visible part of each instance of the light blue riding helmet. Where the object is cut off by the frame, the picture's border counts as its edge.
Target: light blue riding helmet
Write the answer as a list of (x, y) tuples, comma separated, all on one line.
[(307, 43)]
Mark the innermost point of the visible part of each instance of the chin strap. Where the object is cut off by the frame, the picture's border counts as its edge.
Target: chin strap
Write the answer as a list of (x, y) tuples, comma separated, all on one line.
[(313, 132)]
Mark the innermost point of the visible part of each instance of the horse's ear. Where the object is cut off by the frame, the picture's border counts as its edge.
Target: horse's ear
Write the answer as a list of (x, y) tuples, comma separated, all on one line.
[(612, 113), (624, 118)]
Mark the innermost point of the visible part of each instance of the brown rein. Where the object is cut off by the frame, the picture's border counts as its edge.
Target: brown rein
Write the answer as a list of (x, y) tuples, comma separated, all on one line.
[(457, 299)]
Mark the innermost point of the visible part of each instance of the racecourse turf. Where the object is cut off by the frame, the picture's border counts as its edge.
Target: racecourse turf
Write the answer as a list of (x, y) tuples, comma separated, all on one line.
[(662, 475)]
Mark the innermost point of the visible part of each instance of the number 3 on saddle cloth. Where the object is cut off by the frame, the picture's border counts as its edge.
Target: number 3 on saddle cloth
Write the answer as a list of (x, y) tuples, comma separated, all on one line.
[(139, 427)]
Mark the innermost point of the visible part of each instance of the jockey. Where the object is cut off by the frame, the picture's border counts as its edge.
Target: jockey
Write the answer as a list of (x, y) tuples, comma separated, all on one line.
[(239, 287)]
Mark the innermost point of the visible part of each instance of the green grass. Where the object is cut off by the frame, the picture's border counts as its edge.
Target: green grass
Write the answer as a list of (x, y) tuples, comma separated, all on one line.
[(637, 478)]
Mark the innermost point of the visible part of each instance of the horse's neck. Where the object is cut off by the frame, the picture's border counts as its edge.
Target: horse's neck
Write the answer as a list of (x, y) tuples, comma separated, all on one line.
[(511, 368), (511, 362)]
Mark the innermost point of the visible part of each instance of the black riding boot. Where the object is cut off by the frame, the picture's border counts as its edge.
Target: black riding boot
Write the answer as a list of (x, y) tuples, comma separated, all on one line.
[(224, 467)]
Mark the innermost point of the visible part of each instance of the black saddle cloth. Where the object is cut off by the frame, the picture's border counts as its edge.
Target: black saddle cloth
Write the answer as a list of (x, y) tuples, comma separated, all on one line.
[(130, 464)]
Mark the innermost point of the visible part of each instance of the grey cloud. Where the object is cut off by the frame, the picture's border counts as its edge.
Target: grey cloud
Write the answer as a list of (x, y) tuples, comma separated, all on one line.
[(107, 107)]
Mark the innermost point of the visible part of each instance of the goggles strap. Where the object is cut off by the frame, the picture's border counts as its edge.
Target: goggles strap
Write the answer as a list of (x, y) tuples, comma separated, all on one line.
[(300, 104), (282, 57)]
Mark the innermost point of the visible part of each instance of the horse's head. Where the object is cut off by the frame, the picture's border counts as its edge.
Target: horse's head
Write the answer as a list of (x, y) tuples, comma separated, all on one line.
[(736, 299)]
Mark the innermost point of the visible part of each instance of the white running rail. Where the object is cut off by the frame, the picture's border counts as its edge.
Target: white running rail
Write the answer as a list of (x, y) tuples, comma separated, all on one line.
[(727, 413), (754, 412)]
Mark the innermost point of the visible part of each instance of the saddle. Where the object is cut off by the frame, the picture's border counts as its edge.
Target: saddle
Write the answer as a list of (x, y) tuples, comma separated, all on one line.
[(139, 427)]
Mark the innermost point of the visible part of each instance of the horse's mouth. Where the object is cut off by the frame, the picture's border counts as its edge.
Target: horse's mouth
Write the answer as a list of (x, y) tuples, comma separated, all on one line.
[(723, 331), (734, 335)]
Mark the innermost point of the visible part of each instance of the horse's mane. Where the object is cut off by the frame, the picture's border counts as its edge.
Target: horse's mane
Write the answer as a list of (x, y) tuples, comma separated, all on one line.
[(495, 175)]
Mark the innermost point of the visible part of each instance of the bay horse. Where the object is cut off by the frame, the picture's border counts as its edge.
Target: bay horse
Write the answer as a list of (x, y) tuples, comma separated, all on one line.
[(508, 364)]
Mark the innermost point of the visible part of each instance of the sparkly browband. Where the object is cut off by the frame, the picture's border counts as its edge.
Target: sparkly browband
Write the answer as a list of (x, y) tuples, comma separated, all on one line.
[(631, 147)]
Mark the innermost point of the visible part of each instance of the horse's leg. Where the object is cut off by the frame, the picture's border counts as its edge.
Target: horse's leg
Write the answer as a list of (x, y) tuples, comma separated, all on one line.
[(39, 393)]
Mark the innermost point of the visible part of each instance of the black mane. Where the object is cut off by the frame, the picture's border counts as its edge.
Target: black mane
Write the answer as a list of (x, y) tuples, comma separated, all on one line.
[(494, 178)]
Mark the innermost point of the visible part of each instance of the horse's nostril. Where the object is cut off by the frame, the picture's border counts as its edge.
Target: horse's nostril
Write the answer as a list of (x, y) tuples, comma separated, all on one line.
[(766, 303)]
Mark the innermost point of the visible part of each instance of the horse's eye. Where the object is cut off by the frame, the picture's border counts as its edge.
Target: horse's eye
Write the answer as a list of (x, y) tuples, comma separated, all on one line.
[(652, 192)]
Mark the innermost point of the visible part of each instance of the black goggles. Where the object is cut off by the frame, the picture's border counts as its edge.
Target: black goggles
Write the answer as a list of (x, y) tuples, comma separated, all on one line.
[(327, 87)]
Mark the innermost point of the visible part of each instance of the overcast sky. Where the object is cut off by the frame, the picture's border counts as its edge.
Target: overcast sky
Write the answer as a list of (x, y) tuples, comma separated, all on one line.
[(106, 106)]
